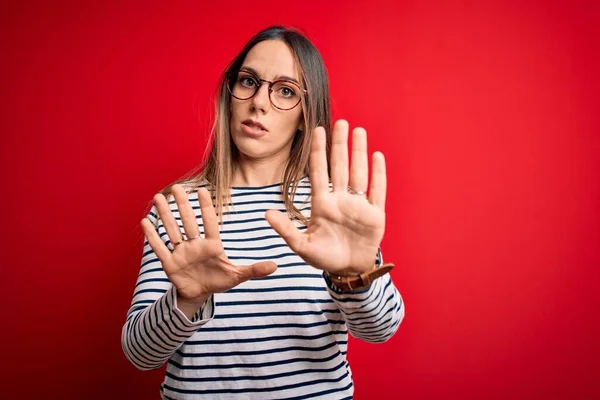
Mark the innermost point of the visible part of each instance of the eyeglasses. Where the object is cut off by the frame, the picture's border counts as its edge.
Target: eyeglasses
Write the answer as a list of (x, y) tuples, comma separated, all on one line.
[(283, 93)]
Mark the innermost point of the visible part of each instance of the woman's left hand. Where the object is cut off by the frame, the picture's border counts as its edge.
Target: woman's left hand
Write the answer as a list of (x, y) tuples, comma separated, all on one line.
[(345, 228)]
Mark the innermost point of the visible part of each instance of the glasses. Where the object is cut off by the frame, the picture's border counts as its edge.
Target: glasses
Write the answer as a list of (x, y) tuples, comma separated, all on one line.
[(283, 93)]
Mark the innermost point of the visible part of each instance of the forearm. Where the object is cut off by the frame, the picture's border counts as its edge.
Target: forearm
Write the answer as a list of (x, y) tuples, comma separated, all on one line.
[(372, 314), (152, 334)]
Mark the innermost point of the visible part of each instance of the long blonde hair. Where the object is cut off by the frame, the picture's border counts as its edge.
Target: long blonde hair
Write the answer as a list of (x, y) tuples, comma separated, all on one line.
[(217, 169)]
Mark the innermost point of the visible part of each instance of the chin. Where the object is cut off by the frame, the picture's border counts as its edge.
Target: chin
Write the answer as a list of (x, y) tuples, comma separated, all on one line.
[(247, 146)]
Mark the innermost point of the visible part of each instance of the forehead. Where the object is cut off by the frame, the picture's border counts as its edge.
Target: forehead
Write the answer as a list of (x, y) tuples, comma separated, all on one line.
[(271, 59)]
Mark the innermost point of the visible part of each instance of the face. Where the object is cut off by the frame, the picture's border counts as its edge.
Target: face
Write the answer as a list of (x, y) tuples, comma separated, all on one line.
[(270, 60)]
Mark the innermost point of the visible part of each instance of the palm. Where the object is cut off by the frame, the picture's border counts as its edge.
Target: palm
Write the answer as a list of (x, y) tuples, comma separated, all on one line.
[(345, 229), (344, 232), (197, 266), (201, 266)]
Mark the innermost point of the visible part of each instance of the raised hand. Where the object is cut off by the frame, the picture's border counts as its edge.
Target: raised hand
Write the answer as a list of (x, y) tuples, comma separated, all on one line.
[(345, 228), (197, 267)]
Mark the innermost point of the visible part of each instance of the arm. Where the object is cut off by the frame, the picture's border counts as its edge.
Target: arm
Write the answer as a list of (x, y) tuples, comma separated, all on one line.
[(345, 230), (173, 295), (372, 314), (156, 323)]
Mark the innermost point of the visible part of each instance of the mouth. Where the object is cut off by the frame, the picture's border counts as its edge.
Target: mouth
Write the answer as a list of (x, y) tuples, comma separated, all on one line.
[(254, 125)]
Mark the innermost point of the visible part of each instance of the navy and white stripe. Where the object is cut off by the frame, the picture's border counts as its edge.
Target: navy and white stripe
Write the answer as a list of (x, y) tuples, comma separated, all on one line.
[(279, 337)]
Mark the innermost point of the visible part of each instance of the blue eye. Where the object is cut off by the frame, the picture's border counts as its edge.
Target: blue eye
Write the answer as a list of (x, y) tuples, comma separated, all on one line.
[(287, 92), (247, 81), (284, 91)]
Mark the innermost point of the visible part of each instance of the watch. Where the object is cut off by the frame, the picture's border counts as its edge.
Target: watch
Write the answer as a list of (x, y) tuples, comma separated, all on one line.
[(355, 282)]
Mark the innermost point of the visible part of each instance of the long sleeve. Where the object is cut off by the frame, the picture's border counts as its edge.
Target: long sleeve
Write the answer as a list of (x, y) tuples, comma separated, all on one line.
[(372, 314), (237, 345), (155, 328)]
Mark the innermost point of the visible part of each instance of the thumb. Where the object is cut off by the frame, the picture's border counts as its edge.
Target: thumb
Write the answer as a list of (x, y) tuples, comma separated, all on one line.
[(259, 270), (285, 228)]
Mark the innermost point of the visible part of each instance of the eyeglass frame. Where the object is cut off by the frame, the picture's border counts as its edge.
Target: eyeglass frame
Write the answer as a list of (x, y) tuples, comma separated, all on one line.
[(229, 75)]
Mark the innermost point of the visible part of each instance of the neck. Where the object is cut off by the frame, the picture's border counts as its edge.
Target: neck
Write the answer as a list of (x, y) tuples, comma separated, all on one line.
[(250, 172)]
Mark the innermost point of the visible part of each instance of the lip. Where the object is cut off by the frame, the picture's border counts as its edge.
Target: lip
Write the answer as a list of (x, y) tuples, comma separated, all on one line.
[(253, 128), (252, 122)]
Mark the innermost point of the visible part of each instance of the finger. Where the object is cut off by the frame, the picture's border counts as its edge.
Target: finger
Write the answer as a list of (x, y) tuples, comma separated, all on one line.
[(319, 179), (188, 217), (286, 229), (209, 217), (169, 222), (156, 243), (378, 188), (359, 168), (339, 156), (258, 270)]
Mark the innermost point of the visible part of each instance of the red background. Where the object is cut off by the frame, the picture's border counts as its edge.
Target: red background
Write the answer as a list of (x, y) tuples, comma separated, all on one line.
[(488, 115)]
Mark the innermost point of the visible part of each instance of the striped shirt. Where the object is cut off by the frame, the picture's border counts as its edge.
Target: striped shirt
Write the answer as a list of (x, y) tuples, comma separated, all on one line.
[(283, 336)]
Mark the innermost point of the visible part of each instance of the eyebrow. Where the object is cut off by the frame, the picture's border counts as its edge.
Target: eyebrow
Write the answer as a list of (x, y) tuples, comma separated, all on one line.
[(287, 78)]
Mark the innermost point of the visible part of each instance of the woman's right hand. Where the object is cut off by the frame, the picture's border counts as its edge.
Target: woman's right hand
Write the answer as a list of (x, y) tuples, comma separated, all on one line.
[(197, 267)]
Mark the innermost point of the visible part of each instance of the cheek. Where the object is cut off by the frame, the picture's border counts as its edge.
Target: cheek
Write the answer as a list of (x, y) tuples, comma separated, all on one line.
[(234, 108), (289, 124), (293, 118), (235, 115), (299, 119)]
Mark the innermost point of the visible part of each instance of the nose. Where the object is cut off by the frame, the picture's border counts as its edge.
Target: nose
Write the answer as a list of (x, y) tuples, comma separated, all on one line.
[(261, 101)]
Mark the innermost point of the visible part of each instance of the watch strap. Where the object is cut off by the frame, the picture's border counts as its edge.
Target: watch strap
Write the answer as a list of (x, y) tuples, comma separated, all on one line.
[(355, 282)]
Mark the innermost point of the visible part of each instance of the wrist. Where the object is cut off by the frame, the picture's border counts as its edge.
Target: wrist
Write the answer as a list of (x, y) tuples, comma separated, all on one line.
[(194, 301), (190, 306), (353, 282)]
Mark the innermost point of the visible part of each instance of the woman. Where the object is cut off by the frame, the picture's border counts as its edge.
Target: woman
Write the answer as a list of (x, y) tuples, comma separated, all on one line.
[(247, 301)]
